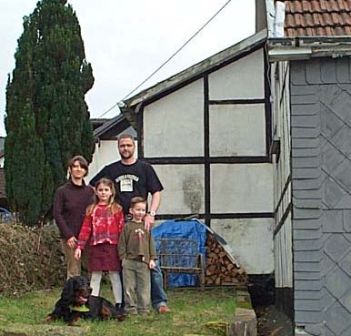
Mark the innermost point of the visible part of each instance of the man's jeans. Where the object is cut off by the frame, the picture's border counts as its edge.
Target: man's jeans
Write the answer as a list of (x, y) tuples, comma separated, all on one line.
[(158, 295)]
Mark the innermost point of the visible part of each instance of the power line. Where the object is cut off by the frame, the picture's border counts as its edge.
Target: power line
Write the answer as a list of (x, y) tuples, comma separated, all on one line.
[(171, 57)]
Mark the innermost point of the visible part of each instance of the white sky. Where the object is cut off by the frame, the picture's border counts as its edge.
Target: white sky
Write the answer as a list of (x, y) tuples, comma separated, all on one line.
[(126, 40)]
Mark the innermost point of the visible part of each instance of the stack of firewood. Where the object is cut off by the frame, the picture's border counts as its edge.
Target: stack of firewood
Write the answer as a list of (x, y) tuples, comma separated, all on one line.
[(221, 270)]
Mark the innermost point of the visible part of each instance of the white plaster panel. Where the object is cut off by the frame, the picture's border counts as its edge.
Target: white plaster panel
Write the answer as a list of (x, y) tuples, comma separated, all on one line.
[(251, 241), (238, 188), (237, 130), (183, 188), (242, 79), (106, 152), (173, 125)]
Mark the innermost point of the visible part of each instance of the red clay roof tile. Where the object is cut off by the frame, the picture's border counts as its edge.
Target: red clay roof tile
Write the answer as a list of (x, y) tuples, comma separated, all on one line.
[(306, 6), (317, 17)]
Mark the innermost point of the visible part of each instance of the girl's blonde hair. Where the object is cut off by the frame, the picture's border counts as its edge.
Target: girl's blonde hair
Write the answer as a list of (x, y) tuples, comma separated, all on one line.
[(112, 205)]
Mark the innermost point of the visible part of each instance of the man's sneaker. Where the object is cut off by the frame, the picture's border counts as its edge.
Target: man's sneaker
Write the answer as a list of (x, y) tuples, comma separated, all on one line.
[(164, 310)]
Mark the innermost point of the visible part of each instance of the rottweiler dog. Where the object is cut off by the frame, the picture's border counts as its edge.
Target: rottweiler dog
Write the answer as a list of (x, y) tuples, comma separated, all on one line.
[(76, 302)]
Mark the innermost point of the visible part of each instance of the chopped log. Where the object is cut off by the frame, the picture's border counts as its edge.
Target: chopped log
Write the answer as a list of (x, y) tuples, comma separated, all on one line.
[(220, 270)]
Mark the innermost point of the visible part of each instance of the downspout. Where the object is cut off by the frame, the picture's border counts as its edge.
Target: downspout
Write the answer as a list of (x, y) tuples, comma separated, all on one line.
[(270, 12), (279, 19), (275, 11)]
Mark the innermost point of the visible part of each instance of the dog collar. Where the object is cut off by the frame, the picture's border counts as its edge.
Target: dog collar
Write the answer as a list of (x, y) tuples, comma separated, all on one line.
[(81, 309)]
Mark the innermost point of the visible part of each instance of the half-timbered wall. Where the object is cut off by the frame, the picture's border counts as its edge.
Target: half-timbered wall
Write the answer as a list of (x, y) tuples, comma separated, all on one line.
[(209, 142)]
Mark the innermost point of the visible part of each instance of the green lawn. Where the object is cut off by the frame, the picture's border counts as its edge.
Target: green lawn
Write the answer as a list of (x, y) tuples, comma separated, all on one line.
[(194, 312)]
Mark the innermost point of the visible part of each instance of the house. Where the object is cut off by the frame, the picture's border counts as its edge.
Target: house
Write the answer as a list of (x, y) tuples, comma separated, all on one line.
[(207, 133), (311, 99)]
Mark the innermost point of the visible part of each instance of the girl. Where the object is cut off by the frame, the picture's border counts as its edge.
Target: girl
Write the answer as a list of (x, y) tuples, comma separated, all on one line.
[(101, 228)]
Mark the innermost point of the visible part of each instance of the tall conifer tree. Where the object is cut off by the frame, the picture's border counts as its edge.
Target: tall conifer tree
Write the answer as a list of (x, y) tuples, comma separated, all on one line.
[(47, 119)]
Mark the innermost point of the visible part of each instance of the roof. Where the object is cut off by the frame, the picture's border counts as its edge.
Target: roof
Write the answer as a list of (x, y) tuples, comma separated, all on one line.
[(111, 128), (196, 71), (97, 122), (317, 18)]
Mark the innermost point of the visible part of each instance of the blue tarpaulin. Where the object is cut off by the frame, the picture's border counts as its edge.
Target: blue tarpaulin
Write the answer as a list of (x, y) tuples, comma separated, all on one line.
[(189, 229)]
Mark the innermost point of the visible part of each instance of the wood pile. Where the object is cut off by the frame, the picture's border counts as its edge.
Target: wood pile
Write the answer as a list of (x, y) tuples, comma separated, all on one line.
[(221, 269)]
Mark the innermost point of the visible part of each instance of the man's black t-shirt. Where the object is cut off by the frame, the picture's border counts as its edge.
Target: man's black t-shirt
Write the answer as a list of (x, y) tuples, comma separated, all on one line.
[(137, 179)]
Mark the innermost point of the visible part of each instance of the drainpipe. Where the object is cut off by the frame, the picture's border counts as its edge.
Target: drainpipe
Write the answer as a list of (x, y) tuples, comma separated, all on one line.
[(279, 19), (270, 14)]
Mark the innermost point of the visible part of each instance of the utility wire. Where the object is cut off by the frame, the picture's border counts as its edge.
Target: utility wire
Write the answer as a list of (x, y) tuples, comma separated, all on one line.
[(169, 58)]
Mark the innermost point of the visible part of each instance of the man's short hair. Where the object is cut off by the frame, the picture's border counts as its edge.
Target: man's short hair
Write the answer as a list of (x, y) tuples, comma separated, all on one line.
[(125, 136)]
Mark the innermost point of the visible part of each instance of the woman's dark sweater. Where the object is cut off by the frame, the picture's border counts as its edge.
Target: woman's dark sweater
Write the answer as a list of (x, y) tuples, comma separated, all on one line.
[(70, 204)]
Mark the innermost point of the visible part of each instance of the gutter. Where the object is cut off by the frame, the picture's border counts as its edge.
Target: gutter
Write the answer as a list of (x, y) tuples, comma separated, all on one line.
[(303, 48)]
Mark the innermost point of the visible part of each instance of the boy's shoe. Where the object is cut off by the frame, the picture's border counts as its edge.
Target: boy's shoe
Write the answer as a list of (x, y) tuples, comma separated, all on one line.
[(164, 309), (132, 311)]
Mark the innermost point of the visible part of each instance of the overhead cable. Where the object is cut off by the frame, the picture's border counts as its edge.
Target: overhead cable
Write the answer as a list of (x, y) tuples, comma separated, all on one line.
[(171, 57)]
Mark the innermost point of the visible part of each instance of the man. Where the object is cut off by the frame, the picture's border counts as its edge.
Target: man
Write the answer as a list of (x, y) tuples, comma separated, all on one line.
[(70, 203), (134, 177)]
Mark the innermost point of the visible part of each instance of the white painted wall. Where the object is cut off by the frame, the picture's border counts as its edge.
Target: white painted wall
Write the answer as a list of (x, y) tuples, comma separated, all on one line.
[(171, 125), (241, 188), (183, 189), (232, 127), (239, 80), (251, 242)]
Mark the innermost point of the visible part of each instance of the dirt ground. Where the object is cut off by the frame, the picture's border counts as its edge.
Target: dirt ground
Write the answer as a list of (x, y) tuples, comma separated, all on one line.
[(272, 322)]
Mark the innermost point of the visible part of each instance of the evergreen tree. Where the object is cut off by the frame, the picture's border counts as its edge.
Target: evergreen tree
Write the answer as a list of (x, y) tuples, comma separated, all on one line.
[(47, 119)]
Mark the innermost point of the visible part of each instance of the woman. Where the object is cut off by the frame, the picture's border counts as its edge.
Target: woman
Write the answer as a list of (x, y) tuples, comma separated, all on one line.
[(70, 203)]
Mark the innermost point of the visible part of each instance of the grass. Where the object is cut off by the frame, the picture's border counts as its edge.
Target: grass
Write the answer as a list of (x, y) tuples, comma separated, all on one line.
[(194, 312)]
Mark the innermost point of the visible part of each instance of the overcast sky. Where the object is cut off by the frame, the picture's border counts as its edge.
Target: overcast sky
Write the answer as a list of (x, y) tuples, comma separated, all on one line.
[(125, 41)]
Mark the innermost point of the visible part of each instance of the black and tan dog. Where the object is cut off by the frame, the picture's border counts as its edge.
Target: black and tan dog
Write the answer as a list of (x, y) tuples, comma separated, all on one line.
[(77, 302)]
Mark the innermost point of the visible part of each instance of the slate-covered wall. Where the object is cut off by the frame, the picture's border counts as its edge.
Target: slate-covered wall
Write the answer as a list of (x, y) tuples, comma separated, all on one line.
[(321, 181)]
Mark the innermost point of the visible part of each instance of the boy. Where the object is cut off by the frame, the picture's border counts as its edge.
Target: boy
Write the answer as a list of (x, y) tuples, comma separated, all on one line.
[(137, 251)]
